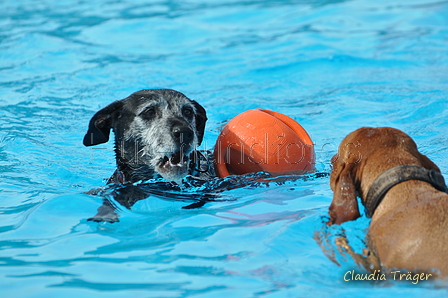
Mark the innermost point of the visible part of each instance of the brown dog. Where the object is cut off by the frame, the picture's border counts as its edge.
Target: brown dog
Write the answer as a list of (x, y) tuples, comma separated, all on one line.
[(409, 226)]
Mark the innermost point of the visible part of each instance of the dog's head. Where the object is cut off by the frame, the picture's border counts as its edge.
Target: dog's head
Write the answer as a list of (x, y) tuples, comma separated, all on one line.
[(156, 130), (362, 156)]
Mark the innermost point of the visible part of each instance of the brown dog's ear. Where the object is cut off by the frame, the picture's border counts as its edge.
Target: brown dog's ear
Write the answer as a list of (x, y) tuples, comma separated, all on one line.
[(201, 118), (344, 206), (101, 123)]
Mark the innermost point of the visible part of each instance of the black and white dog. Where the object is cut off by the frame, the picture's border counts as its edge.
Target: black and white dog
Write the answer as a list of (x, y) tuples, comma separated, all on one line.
[(156, 132)]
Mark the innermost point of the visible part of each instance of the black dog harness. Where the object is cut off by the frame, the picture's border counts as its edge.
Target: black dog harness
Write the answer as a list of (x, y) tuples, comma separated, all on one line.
[(396, 175)]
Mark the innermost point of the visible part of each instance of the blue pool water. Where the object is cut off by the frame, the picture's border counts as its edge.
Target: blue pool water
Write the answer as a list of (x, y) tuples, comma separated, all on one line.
[(333, 66)]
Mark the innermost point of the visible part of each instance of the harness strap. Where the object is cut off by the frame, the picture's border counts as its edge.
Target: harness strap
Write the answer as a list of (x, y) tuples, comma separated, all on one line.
[(120, 177), (200, 162), (384, 182)]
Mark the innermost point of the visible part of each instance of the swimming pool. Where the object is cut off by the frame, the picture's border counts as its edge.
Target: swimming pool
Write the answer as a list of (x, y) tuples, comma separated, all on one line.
[(333, 66)]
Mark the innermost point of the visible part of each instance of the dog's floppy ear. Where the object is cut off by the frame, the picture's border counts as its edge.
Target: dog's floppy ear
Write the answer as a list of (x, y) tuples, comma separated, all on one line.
[(344, 206), (101, 123), (201, 118)]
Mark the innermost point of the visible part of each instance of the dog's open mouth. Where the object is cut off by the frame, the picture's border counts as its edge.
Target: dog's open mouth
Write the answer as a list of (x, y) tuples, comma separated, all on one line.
[(174, 167), (175, 160)]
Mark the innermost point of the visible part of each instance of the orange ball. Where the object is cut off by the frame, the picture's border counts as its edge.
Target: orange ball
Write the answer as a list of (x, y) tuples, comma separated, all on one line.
[(262, 140)]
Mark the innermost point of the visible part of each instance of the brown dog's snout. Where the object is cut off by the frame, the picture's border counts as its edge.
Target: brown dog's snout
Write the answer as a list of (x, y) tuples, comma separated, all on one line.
[(182, 134)]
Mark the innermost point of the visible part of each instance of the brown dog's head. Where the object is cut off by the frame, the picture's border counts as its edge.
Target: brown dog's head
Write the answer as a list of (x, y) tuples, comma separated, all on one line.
[(362, 156)]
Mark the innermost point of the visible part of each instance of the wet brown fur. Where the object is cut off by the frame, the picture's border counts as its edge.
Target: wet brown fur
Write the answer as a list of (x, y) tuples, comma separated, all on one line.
[(409, 229)]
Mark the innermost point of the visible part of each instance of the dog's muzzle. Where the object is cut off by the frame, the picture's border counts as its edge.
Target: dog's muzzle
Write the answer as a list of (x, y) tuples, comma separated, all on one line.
[(177, 159)]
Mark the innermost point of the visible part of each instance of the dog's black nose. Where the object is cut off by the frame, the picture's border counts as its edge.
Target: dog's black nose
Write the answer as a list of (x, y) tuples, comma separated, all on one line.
[(183, 134)]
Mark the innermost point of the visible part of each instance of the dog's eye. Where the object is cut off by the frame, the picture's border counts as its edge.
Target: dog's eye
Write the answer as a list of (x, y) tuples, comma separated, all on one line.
[(188, 112), (149, 112)]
